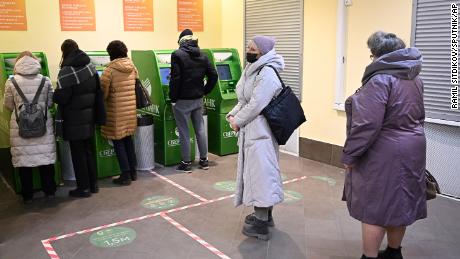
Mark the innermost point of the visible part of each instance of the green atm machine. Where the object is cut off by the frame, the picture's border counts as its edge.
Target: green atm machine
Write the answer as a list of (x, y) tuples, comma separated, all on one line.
[(154, 68), (222, 139), (106, 159), (7, 61)]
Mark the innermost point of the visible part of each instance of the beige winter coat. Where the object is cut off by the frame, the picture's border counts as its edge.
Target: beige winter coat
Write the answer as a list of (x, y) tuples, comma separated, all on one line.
[(118, 82), (31, 152)]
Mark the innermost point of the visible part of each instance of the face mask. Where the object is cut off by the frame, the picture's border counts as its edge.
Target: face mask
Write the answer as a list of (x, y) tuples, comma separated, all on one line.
[(251, 57)]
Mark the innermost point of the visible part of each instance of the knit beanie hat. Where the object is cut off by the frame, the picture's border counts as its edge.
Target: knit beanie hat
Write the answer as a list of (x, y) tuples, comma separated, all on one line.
[(185, 32), (264, 43)]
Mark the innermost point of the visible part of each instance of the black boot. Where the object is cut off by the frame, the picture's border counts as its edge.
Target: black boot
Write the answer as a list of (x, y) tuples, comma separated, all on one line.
[(252, 217), (133, 174), (94, 188), (365, 257), (391, 253), (78, 193), (259, 230), (124, 179)]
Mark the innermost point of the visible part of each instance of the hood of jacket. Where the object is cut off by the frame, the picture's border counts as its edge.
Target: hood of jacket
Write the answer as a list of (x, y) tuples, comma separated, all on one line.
[(124, 65), (403, 63), (27, 66), (191, 47), (271, 58), (76, 58)]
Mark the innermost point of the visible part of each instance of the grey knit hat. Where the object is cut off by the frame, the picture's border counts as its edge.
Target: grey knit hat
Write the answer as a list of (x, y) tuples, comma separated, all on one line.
[(264, 43)]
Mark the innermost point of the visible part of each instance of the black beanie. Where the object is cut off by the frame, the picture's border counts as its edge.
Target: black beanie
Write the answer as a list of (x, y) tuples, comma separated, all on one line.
[(185, 33)]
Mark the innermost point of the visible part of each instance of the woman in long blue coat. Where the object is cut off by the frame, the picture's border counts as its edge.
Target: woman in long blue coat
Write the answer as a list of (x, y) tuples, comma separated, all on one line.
[(385, 149)]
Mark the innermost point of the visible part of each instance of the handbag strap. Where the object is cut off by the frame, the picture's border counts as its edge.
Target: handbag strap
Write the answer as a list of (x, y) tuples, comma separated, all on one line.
[(277, 74)]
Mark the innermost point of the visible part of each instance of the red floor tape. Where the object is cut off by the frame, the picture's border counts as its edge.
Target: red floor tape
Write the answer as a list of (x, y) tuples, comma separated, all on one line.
[(194, 236), (53, 255)]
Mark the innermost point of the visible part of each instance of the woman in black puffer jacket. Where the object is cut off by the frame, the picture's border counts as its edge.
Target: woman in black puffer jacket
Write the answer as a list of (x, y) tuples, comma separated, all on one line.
[(78, 83)]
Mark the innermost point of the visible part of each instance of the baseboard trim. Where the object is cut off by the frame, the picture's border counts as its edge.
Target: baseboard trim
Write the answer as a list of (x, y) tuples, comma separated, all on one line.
[(320, 151)]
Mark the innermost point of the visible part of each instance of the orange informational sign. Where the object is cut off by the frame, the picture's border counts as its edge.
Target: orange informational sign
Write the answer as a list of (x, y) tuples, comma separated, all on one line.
[(13, 15), (138, 15), (190, 15), (77, 15)]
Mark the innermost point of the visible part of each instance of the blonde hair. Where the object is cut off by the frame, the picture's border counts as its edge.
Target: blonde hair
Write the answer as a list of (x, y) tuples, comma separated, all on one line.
[(25, 53)]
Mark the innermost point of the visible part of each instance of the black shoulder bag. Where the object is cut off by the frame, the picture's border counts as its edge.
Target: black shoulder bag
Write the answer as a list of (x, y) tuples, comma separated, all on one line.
[(284, 113), (142, 96)]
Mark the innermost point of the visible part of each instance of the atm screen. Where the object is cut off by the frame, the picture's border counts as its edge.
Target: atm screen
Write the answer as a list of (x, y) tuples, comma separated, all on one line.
[(224, 72), (165, 75)]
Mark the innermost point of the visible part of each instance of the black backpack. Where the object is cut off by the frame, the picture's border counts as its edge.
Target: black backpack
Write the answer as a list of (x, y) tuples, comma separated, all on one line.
[(32, 118)]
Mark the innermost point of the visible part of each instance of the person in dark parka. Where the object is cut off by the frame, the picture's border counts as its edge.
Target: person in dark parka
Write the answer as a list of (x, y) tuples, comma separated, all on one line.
[(78, 83), (189, 67), (385, 149)]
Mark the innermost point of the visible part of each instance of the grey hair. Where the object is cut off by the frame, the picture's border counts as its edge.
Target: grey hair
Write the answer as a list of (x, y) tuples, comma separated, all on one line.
[(381, 43)]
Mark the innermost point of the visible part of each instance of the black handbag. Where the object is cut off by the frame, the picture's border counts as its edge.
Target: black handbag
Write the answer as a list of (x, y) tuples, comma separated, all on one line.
[(142, 96), (284, 113), (432, 186)]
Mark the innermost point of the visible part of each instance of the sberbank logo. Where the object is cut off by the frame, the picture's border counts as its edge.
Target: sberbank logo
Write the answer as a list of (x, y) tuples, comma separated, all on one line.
[(173, 142), (148, 85), (154, 108), (107, 153), (176, 131), (209, 103), (230, 134), (176, 142)]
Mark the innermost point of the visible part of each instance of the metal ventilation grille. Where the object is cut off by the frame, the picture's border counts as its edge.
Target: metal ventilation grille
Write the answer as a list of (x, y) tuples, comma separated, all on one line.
[(284, 21), (431, 34), (443, 156)]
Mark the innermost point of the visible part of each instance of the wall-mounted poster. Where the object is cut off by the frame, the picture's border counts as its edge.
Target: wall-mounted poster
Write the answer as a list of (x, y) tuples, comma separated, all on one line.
[(138, 15), (190, 15), (13, 15), (77, 15)]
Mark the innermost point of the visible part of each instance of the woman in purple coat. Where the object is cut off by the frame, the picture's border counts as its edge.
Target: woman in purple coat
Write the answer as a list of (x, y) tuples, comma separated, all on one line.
[(385, 149)]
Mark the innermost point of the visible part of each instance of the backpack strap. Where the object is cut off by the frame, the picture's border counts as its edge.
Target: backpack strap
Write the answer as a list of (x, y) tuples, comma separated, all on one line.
[(21, 94), (39, 91), (277, 74), (18, 89)]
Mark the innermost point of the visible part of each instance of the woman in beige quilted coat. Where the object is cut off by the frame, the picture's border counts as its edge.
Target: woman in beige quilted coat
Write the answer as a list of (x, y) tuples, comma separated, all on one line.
[(118, 83)]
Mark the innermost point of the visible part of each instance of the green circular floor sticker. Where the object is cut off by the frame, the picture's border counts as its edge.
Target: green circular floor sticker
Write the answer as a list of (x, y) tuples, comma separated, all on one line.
[(159, 202), (326, 179), (226, 186), (113, 237), (292, 196)]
